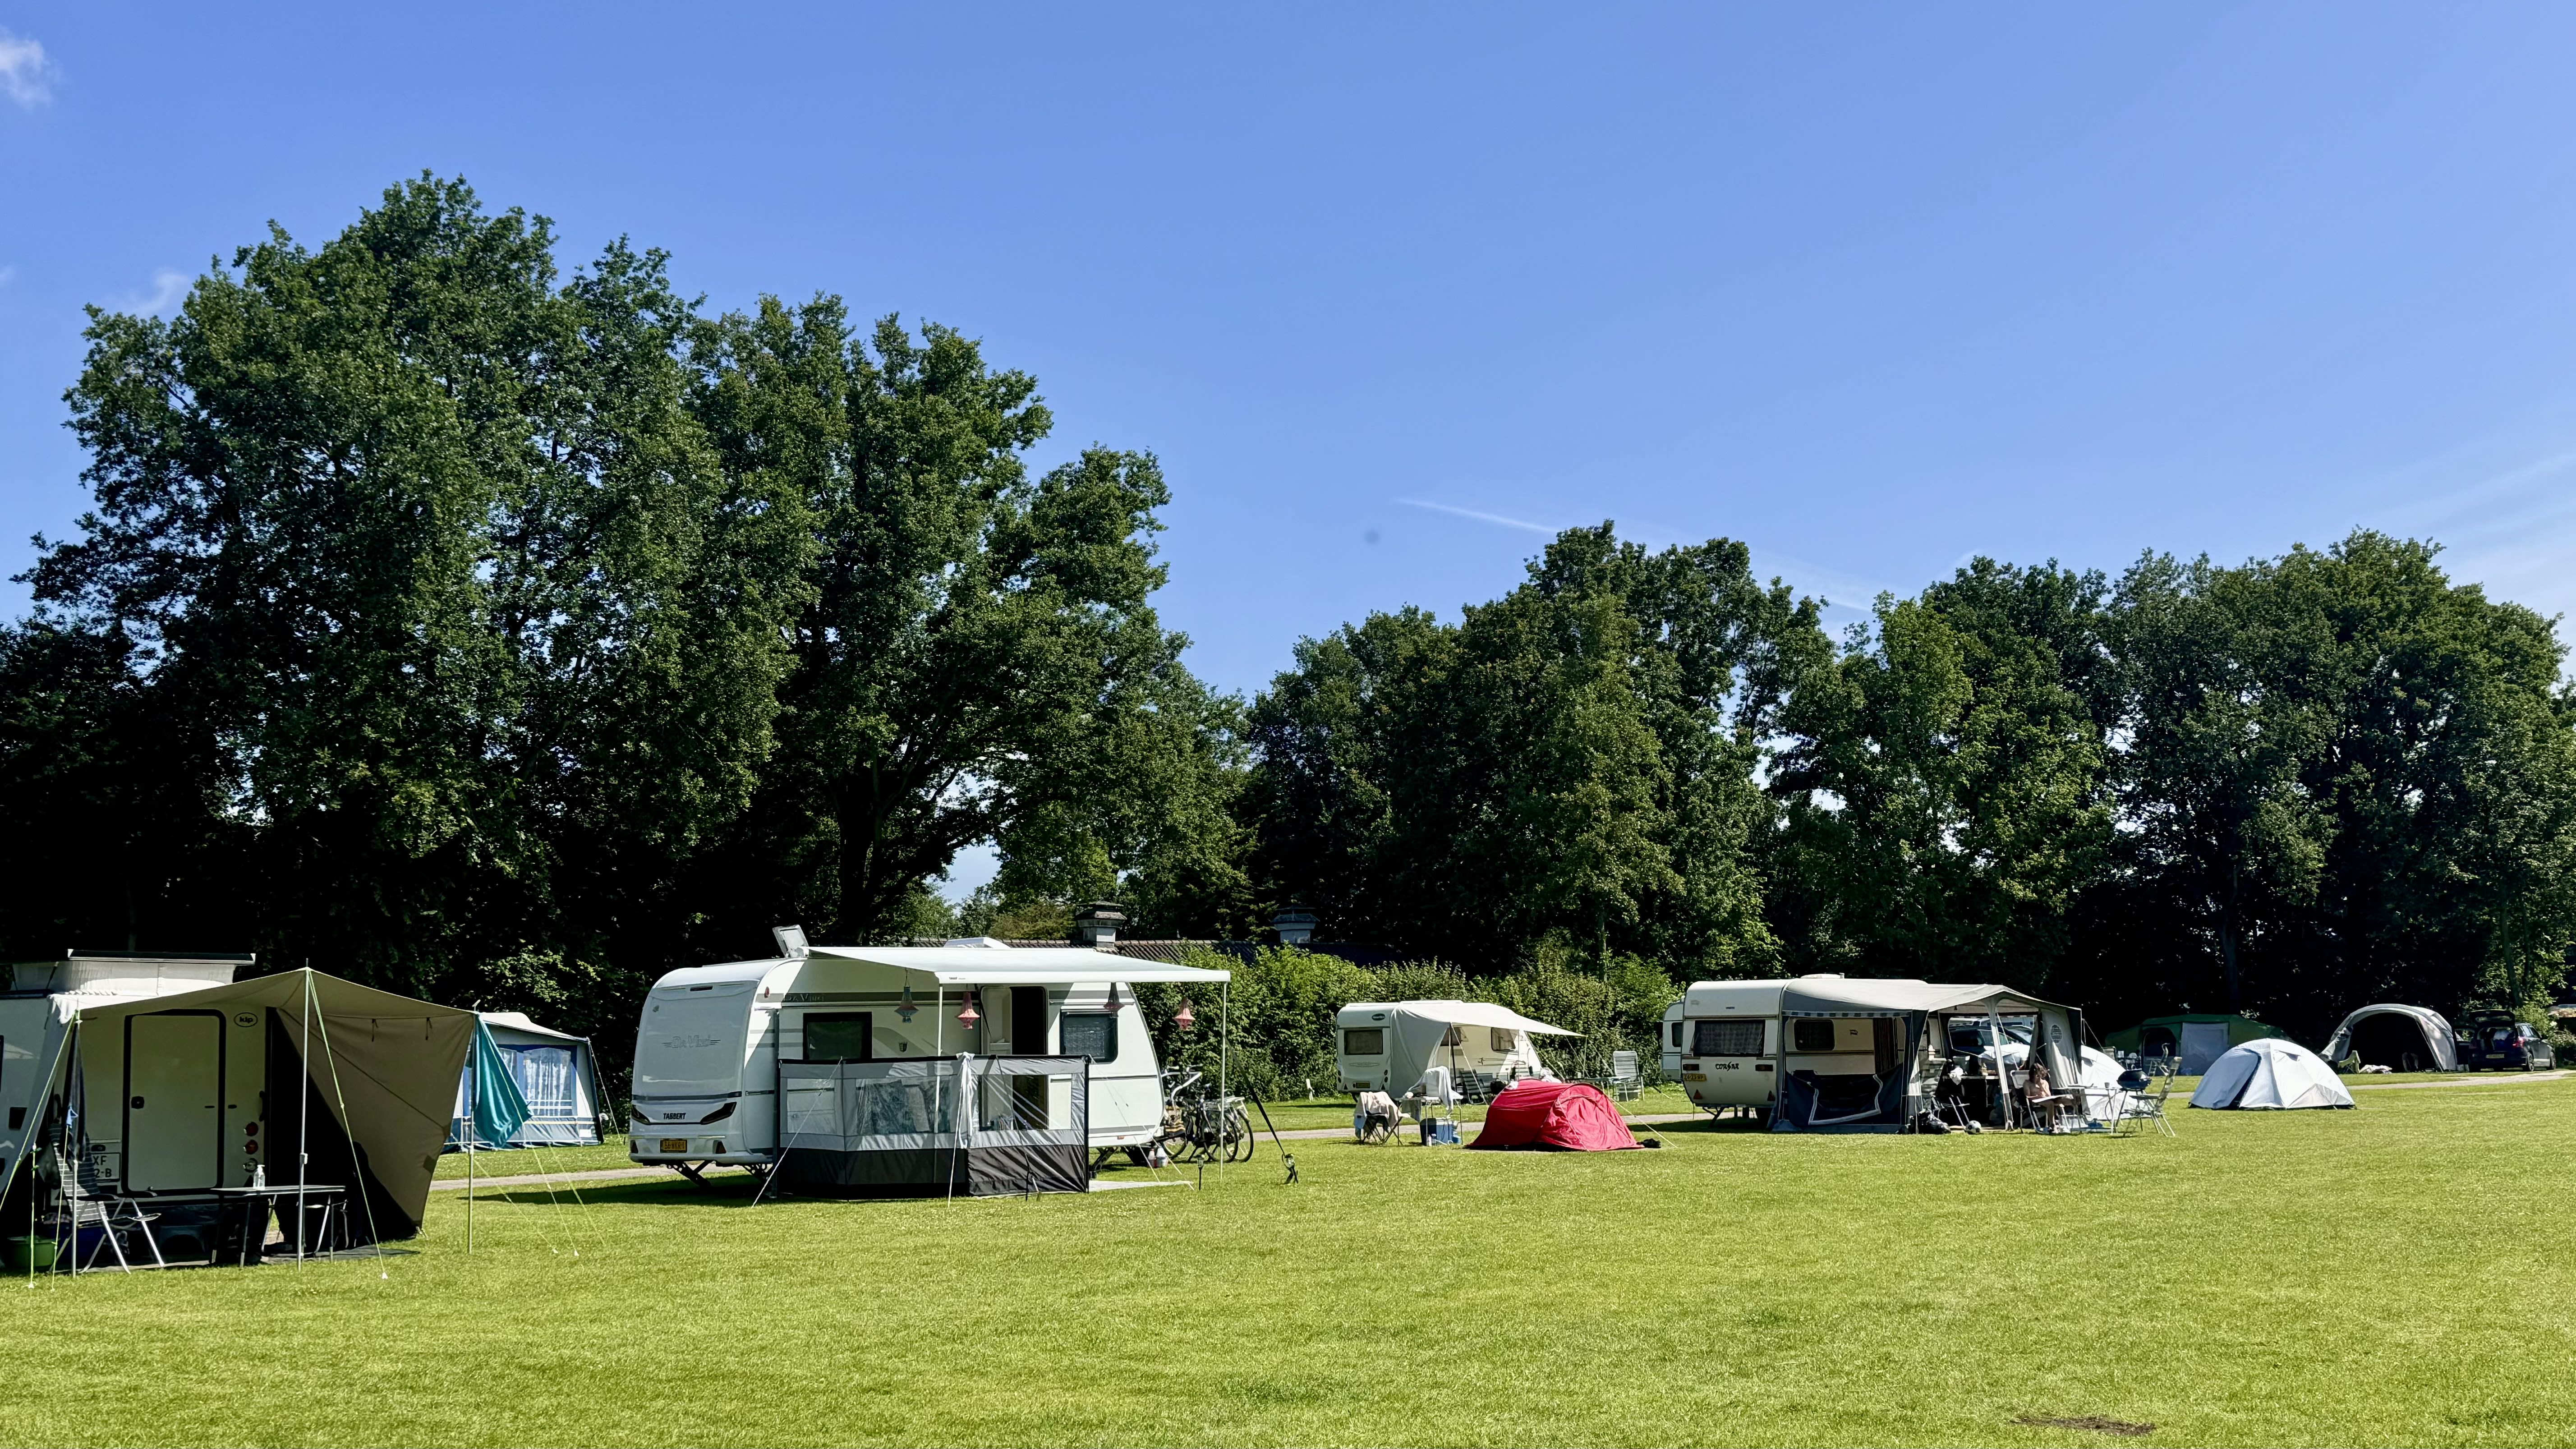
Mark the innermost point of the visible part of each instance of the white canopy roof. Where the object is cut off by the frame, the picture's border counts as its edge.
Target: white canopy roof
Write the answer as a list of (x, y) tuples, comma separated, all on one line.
[(518, 1021), (970, 966), (1478, 1013), (1863, 996)]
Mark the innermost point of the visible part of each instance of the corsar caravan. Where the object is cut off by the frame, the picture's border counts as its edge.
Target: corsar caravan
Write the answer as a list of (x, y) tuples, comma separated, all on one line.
[(891, 1062), (156, 1097), (1820, 1052), (1386, 1046)]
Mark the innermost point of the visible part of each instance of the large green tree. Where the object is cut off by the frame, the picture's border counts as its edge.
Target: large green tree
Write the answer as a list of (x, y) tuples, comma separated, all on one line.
[(1572, 762), (424, 543), (977, 657)]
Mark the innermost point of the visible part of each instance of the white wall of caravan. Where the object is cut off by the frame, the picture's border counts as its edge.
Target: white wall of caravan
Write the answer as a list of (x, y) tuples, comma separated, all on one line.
[(688, 1064)]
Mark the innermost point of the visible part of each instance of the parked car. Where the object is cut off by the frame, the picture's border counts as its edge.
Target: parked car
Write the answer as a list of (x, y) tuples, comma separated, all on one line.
[(2494, 1041)]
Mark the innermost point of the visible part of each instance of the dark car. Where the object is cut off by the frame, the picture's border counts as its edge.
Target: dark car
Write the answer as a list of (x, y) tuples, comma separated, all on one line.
[(2496, 1042)]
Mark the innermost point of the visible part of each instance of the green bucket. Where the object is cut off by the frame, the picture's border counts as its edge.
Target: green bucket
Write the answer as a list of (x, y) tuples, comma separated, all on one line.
[(26, 1254)]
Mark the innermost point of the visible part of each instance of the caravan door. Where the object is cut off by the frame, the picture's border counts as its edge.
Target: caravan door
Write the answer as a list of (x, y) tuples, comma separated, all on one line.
[(174, 1083)]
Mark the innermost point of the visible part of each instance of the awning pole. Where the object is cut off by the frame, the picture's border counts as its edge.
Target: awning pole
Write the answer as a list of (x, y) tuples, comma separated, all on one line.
[(303, 1106), (473, 1129)]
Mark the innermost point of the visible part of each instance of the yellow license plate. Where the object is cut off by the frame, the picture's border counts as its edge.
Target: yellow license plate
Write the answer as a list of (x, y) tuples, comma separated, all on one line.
[(675, 1144)]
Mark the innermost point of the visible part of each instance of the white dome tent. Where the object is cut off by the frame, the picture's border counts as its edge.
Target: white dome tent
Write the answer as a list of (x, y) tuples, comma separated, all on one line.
[(2270, 1075), (2408, 1038)]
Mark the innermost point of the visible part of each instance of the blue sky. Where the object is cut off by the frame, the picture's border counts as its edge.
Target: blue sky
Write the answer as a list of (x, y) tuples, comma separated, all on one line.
[(1396, 291)]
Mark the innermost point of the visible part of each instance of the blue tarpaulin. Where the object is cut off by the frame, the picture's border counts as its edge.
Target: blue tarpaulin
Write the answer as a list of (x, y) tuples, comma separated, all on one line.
[(499, 1108)]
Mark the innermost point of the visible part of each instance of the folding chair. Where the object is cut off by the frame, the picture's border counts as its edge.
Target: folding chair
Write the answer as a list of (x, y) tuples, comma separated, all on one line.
[(107, 1212), (1625, 1083), (2137, 1107)]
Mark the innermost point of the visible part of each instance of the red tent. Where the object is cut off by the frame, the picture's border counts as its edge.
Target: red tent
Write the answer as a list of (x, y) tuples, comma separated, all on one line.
[(1567, 1116)]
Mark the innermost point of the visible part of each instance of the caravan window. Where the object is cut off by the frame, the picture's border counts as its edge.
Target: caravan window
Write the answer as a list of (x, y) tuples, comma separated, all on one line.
[(1733, 1038), (836, 1036), (1364, 1042), (1089, 1034), (1502, 1038), (1809, 1034), (1453, 1037)]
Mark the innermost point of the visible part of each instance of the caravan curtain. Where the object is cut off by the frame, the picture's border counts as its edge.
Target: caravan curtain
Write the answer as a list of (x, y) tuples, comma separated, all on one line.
[(544, 1075)]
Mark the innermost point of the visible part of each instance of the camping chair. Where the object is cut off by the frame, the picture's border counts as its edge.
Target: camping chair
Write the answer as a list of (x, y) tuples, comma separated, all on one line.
[(1625, 1085), (83, 1207), (2135, 1106)]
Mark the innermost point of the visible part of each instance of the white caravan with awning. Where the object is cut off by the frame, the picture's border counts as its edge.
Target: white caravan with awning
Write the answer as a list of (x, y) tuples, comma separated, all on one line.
[(1835, 1052), (1386, 1046), (710, 1047), (2405, 1038), (161, 1078)]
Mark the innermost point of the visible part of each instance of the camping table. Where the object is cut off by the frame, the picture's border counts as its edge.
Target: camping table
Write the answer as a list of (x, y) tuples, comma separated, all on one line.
[(324, 1201)]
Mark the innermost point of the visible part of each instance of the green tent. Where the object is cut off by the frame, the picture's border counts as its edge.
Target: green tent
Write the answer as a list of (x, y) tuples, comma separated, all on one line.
[(2197, 1038)]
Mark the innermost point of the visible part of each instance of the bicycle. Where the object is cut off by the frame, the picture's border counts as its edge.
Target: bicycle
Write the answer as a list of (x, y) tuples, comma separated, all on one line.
[(1199, 1126)]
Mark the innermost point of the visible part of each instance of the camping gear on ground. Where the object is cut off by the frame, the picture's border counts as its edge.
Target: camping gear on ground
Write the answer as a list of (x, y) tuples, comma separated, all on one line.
[(1560, 1116), (555, 1073), (1388, 1045), (717, 1047), (163, 1087), (2194, 1039), (2270, 1074), (2494, 1041), (1827, 1052), (2401, 1038)]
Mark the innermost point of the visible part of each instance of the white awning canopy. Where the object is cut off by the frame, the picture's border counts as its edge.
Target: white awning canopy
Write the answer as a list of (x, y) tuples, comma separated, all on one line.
[(1019, 965), (1479, 1013)]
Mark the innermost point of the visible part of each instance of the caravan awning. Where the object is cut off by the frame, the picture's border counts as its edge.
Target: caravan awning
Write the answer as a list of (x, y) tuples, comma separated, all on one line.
[(1823, 996), (1479, 1013), (1019, 965)]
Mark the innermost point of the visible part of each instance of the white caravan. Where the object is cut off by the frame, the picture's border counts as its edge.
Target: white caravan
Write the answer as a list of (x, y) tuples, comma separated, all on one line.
[(1824, 1051), (708, 1049), (1386, 1046)]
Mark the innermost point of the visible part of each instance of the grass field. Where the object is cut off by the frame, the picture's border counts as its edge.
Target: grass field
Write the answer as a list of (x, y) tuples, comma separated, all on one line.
[(2388, 1275)]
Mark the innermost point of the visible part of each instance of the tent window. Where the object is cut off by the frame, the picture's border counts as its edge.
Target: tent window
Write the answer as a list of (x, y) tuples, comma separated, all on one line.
[(1811, 1034), (1090, 1034), (1736, 1038), (1364, 1042), (544, 1074), (1501, 1038), (836, 1036)]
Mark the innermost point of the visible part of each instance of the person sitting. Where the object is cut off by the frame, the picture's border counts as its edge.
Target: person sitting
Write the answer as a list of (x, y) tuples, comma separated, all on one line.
[(2047, 1104)]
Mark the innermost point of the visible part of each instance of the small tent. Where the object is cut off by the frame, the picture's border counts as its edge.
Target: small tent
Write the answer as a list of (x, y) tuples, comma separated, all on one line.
[(2268, 1075), (2195, 1039), (556, 1075), (1559, 1116), (2408, 1038)]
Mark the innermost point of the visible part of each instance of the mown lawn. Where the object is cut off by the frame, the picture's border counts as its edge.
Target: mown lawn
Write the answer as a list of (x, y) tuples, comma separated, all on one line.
[(2381, 1276)]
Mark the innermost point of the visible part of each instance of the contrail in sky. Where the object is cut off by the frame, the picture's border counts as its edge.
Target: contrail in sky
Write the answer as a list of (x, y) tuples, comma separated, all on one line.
[(1520, 523)]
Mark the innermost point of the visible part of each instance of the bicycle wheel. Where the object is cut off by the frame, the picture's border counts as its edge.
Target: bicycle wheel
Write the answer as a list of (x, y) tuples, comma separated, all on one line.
[(1238, 1135)]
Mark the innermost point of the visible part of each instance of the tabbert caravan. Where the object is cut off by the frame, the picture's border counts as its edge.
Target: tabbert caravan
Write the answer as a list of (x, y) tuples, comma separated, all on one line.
[(161, 1081), (882, 1058), (1829, 1052), (1386, 1046)]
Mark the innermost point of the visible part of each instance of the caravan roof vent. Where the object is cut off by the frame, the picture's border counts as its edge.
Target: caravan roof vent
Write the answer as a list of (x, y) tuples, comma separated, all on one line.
[(791, 941), (985, 943)]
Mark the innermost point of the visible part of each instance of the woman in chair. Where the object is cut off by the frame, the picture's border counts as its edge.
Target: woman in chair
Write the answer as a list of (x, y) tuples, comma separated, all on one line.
[(2042, 1094)]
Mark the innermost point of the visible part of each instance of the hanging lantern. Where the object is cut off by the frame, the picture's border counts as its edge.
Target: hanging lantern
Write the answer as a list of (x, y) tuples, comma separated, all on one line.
[(1112, 1003), (906, 1008), (967, 1015), (1183, 1019)]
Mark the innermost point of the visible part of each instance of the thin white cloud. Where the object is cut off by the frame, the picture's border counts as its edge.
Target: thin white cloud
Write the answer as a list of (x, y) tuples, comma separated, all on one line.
[(24, 71), (167, 288), (8, 275), (1493, 518)]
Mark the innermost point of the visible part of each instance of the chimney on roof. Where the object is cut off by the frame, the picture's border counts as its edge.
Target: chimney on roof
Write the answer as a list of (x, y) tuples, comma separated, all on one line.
[(1295, 925), (1097, 924)]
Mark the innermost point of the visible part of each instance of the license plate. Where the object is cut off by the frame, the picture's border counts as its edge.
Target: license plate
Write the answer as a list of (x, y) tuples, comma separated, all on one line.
[(675, 1144)]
